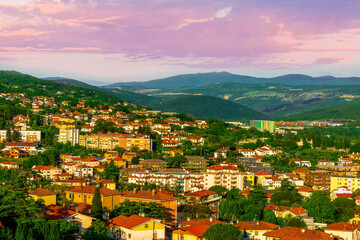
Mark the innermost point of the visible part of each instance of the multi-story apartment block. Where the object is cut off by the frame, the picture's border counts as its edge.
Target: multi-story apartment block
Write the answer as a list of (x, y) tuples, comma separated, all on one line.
[(83, 171), (195, 163), (140, 143), (154, 164), (351, 182), (181, 179), (224, 174), (319, 180), (101, 141), (69, 135), (49, 172), (24, 136)]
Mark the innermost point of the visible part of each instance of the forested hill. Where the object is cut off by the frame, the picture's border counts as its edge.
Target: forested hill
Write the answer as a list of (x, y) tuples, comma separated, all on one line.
[(350, 111), (207, 106), (201, 79)]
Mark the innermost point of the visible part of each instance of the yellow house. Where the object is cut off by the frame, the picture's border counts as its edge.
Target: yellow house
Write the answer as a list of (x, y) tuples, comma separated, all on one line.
[(355, 219), (190, 233), (107, 183), (110, 198), (119, 162), (260, 175), (256, 229), (249, 179), (350, 182), (111, 154), (49, 197), (176, 151), (136, 227)]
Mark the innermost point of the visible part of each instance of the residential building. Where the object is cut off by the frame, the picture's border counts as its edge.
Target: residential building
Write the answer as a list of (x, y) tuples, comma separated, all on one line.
[(319, 180), (195, 163), (352, 183), (136, 227), (140, 143), (224, 174), (193, 229), (83, 171), (295, 212), (305, 191), (206, 197), (47, 196), (153, 164), (344, 230), (264, 125), (286, 233), (101, 141), (197, 140), (110, 198), (168, 202), (26, 147), (342, 192), (252, 164), (256, 229), (69, 135), (9, 165), (119, 162), (271, 182), (48, 172), (24, 136)]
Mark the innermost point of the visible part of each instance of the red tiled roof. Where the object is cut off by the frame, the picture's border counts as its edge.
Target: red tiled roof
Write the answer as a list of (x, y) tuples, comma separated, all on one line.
[(342, 226), (128, 222), (344, 195), (41, 192), (91, 190), (298, 210), (55, 212), (39, 167), (153, 195), (288, 233), (255, 225), (357, 198), (9, 163), (262, 173), (195, 222), (202, 193), (303, 170), (197, 230)]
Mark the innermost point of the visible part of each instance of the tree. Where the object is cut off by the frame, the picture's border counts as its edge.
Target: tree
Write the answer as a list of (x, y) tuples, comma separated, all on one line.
[(111, 171), (195, 211), (97, 231), (270, 217), (135, 161), (177, 161), (220, 190), (96, 210), (223, 232), (320, 207), (128, 208), (344, 209), (6, 233), (295, 222)]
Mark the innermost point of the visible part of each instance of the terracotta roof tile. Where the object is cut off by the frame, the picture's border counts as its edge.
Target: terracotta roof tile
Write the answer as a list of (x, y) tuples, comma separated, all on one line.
[(342, 226), (202, 193), (41, 192), (255, 225), (195, 222), (197, 230), (290, 233), (91, 190), (128, 222), (142, 194)]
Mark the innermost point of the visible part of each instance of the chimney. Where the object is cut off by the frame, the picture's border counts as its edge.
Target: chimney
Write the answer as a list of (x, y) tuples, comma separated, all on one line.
[(303, 230), (211, 219), (134, 190), (188, 219), (153, 192), (257, 223)]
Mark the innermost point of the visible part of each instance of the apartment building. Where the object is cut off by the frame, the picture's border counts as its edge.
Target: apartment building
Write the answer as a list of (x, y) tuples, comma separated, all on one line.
[(141, 143), (69, 135), (101, 141), (183, 180), (319, 180), (24, 136), (351, 182), (224, 174)]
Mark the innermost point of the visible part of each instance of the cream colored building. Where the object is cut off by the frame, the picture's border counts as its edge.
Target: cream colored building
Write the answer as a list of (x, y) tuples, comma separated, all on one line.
[(69, 135), (224, 174)]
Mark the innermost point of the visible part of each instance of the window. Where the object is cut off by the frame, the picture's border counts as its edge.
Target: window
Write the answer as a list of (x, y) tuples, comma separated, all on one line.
[(129, 235), (146, 225)]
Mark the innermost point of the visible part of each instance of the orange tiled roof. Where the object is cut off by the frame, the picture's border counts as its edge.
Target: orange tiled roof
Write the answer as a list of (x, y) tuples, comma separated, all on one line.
[(55, 212), (342, 226), (41, 192), (197, 230), (202, 193), (298, 210), (255, 225), (287, 233), (91, 190), (142, 194), (262, 173), (357, 198), (128, 222), (9, 163), (206, 221), (305, 189)]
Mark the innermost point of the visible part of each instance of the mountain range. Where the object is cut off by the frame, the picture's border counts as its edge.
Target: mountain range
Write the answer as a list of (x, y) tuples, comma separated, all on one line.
[(201, 79)]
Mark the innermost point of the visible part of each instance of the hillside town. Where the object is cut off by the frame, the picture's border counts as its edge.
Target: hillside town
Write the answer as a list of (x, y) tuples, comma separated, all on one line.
[(120, 171)]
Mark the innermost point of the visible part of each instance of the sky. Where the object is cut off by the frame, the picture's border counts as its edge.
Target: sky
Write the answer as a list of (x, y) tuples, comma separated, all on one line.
[(107, 41)]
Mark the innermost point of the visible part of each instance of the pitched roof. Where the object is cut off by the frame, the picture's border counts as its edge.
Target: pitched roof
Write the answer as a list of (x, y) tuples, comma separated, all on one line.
[(305, 189), (357, 198), (9, 163), (55, 212), (256, 225), (288, 233), (153, 195), (91, 190), (342, 226), (202, 193), (206, 221), (197, 230), (128, 222), (262, 173), (298, 210), (41, 192)]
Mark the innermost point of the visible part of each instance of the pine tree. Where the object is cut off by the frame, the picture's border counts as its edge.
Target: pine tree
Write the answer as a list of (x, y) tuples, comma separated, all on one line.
[(20, 232), (96, 210)]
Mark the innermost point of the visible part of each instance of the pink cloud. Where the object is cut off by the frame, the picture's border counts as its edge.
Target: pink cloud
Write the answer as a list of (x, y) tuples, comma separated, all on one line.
[(196, 33), (327, 60)]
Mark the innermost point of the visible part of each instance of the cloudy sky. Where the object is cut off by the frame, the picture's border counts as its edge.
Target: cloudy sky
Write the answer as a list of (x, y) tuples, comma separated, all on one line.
[(106, 41)]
